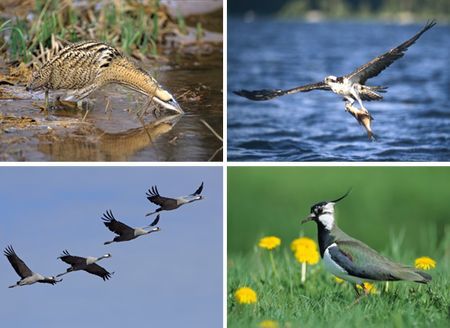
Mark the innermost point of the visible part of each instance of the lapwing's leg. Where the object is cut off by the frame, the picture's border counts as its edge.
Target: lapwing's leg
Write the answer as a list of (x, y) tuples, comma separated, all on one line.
[(359, 294)]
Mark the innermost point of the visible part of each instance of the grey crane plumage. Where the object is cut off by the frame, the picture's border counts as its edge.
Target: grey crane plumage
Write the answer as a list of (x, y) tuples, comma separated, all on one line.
[(27, 276), (125, 232), (87, 264), (168, 204)]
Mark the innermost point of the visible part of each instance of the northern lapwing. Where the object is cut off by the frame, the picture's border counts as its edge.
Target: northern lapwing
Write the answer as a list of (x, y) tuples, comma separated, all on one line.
[(351, 259)]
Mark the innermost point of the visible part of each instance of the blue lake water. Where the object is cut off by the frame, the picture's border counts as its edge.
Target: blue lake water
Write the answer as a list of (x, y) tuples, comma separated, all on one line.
[(411, 123)]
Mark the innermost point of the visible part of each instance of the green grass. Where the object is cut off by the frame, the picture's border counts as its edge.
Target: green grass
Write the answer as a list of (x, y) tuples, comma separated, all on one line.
[(402, 212), (323, 302)]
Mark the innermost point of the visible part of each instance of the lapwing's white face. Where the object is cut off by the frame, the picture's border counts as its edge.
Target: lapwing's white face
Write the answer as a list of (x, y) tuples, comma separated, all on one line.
[(327, 216), (323, 213)]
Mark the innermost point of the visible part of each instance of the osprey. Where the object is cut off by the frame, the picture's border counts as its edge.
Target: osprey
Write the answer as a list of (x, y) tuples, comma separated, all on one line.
[(351, 86)]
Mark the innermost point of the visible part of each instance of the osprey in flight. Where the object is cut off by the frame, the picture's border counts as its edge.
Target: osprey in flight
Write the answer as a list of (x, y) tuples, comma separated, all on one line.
[(351, 86)]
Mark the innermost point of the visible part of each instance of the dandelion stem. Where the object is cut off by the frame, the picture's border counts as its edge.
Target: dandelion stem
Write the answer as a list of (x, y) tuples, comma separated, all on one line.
[(303, 272), (386, 288), (273, 264)]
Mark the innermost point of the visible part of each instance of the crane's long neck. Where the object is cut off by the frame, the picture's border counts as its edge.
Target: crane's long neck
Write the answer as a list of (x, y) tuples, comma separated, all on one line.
[(124, 72)]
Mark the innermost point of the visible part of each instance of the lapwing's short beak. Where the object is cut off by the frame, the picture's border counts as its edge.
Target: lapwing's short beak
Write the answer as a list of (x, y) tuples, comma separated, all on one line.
[(308, 218)]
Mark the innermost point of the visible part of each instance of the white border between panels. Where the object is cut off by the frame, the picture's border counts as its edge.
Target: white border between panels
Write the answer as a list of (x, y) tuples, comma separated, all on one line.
[(339, 164)]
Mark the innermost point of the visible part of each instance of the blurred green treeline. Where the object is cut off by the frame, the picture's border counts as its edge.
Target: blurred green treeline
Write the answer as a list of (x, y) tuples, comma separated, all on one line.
[(407, 203), (389, 9)]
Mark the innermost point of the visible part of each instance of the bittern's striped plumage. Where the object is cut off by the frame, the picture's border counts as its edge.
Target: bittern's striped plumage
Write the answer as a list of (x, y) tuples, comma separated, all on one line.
[(81, 68)]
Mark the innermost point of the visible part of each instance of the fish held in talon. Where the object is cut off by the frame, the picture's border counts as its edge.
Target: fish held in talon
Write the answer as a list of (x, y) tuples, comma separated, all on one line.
[(351, 86), (362, 117), (349, 258), (83, 67), (168, 204), (27, 276)]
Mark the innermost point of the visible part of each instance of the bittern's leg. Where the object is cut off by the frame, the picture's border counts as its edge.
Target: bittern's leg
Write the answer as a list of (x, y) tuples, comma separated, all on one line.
[(46, 102)]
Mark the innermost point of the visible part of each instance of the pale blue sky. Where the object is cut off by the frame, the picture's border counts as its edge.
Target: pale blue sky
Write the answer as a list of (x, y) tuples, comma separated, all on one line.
[(172, 278)]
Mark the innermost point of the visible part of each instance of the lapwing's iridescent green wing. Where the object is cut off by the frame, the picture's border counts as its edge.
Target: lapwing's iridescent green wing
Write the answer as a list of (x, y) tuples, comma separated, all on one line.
[(362, 261)]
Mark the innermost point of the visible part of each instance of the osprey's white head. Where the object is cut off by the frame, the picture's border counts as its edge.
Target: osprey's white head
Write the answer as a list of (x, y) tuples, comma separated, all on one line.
[(330, 79)]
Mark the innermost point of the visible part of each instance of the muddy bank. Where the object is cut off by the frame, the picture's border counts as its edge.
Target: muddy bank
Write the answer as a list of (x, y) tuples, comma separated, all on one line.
[(108, 128)]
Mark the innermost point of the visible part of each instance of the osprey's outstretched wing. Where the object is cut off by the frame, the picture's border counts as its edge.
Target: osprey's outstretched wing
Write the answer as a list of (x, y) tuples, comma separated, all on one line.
[(269, 94), (378, 64)]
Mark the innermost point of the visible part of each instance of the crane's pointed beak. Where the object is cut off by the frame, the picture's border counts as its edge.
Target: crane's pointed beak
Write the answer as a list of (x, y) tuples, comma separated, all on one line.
[(310, 217)]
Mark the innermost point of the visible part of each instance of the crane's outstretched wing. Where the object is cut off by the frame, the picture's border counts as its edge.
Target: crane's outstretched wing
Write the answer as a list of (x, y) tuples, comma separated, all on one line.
[(72, 260), (96, 269), (378, 64), (258, 95), (115, 226), (19, 266), (198, 191), (154, 196)]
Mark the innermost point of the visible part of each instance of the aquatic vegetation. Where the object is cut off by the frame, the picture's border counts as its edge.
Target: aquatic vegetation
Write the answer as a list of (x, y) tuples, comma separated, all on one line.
[(134, 27)]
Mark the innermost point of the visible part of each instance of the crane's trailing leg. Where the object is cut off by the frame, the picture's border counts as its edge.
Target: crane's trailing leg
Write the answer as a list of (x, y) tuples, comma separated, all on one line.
[(158, 210), (62, 274)]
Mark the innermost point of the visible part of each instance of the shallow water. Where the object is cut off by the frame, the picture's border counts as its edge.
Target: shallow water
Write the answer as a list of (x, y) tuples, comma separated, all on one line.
[(412, 123), (117, 134)]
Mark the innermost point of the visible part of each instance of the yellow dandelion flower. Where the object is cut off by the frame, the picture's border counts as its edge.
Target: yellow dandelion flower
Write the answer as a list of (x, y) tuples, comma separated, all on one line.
[(425, 263), (268, 324), (245, 295), (338, 280), (368, 288), (307, 255), (270, 242), (303, 242)]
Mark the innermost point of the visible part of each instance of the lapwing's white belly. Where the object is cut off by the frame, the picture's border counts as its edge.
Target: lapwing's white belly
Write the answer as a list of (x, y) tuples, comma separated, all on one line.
[(335, 269)]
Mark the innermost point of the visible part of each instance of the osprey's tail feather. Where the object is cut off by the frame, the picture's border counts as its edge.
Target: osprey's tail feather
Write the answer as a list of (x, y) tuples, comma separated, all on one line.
[(368, 93)]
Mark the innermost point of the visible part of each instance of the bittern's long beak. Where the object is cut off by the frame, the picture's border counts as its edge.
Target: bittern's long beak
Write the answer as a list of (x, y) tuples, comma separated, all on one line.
[(176, 106), (170, 104), (308, 218)]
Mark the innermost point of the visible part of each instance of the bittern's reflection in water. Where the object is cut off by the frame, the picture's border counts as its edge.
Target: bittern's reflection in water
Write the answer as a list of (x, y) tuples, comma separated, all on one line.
[(108, 146)]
